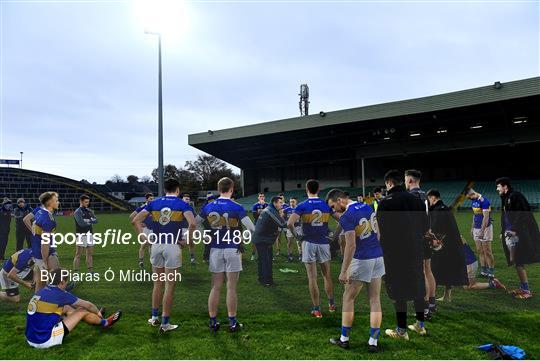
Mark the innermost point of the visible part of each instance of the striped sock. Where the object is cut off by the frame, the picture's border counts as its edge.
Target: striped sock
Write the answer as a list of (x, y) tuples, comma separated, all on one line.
[(165, 320), (345, 332), (524, 286), (232, 320), (374, 334), (155, 313)]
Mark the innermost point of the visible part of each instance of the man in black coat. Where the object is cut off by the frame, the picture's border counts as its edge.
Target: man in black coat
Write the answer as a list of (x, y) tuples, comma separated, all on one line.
[(403, 223), (6, 209), (21, 231), (519, 233), (447, 263)]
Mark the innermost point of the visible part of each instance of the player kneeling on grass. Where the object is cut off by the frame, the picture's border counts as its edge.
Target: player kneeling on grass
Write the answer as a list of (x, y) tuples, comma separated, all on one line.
[(53, 313), (16, 268), (362, 263), (472, 267)]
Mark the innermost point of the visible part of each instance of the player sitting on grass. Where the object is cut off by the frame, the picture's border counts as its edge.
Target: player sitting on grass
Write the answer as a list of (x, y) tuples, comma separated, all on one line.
[(472, 268), (13, 273), (53, 313)]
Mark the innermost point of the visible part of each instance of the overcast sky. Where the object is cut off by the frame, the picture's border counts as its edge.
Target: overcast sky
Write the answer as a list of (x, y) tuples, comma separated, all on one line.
[(79, 79)]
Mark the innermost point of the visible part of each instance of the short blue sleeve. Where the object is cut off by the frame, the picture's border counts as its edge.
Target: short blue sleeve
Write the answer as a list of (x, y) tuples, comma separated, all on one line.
[(299, 209), (22, 261), (203, 212), (485, 204), (346, 223), (67, 298), (241, 212)]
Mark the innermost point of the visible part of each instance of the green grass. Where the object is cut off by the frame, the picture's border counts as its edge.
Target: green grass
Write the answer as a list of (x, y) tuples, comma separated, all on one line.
[(277, 322)]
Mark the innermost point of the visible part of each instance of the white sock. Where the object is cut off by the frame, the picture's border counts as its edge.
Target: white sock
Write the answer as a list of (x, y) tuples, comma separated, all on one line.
[(343, 338), (154, 318), (372, 341)]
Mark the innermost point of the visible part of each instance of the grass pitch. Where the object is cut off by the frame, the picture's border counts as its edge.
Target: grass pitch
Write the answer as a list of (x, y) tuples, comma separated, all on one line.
[(277, 321)]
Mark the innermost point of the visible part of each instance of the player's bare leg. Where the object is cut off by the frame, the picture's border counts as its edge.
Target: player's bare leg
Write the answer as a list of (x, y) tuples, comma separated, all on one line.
[(213, 297), (311, 270), (290, 241), (488, 255), (328, 284), (168, 293), (73, 316), (480, 251), (53, 262), (430, 288), (157, 297), (232, 300), (142, 248)]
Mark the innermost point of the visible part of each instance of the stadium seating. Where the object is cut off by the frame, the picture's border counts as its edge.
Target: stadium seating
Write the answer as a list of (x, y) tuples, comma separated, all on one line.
[(16, 183), (449, 191)]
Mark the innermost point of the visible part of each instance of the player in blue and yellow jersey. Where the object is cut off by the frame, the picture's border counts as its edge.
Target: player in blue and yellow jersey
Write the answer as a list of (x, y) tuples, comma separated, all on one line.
[(44, 227), (147, 224), (287, 211), (53, 313), (225, 218), (186, 197), (13, 273), (482, 232), (362, 263), (167, 213), (472, 267), (314, 214)]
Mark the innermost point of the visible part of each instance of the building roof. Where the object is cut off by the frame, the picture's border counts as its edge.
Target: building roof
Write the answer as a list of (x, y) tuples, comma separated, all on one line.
[(462, 98)]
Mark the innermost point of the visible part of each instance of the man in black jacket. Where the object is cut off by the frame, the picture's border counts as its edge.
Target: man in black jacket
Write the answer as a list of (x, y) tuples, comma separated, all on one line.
[(6, 209), (519, 233), (448, 262), (21, 231), (268, 227), (403, 222)]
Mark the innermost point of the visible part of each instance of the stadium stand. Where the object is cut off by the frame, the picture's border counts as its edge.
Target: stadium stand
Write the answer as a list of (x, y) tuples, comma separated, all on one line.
[(16, 183), (449, 191)]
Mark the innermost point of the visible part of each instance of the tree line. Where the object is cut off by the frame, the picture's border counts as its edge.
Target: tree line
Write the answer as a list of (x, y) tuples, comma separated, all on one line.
[(200, 174)]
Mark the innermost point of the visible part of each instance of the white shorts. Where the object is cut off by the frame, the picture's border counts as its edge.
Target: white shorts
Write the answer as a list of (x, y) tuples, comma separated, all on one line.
[(166, 255), (315, 252), (225, 260), (297, 229), (147, 231), (472, 269), (366, 269), (57, 336), (488, 234), (6, 283), (85, 240)]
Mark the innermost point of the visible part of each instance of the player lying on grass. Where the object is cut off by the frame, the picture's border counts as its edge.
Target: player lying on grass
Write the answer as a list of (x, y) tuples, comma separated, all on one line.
[(16, 268), (53, 313), (472, 268)]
